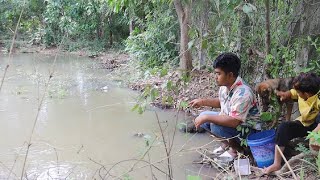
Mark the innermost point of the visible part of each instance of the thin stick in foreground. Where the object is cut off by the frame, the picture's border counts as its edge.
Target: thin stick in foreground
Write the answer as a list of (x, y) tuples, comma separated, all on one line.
[(285, 160)]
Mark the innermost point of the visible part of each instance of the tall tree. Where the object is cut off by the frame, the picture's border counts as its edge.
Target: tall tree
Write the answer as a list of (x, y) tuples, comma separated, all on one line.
[(184, 12), (268, 41), (203, 31)]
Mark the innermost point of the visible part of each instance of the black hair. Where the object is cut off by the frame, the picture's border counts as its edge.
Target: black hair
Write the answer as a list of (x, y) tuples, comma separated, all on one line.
[(228, 62), (307, 82)]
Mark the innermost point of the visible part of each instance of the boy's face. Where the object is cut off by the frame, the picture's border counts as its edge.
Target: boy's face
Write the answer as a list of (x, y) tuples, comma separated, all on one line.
[(222, 78)]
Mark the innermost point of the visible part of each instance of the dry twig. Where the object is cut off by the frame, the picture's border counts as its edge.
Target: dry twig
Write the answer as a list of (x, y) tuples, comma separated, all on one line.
[(285, 160)]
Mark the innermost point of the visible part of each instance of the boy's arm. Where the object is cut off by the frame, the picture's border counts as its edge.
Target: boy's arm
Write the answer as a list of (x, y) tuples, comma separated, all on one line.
[(214, 102)]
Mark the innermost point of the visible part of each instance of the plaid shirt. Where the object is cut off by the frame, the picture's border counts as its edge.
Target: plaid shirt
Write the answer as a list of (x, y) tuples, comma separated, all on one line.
[(239, 102)]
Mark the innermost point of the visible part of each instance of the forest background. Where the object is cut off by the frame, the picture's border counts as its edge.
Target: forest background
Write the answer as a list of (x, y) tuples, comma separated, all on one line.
[(274, 39)]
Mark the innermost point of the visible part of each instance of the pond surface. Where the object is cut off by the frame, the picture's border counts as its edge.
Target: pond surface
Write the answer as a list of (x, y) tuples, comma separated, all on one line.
[(84, 126)]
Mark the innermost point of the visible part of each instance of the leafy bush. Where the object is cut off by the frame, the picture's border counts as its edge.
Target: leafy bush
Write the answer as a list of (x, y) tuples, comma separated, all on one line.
[(314, 64), (156, 44)]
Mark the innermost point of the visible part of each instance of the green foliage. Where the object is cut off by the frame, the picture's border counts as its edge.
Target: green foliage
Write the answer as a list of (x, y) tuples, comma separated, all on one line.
[(10, 11), (281, 60), (266, 116), (127, 177), (224, 23), (244, 132), (190, 177), (184, 105), (283, 55), (155, 45), (303, 149), (314, 64), (80, 20), (316, 137), (249, 9), (262, 123), (152, 92), (302, 173), (79, 23)]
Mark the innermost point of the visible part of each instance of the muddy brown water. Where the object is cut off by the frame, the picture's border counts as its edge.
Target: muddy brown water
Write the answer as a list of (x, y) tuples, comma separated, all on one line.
[(85, 126)]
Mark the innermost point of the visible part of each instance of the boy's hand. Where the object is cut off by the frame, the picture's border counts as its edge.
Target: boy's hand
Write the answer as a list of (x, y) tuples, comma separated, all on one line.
[(200, 120), (196, 103), (283, 95)]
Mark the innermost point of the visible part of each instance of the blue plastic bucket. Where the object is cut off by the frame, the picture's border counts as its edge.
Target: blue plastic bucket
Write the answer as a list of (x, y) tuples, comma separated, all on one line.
[(262, 147)]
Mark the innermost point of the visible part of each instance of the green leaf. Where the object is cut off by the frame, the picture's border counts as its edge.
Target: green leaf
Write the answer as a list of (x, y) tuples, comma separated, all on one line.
[(190, 177), (218, 27), (310, 135), (245, 142), (154, 71), (190, 44), (269, 58), (146, 91), (169, 85), (302, 172), (163, 72), (266, 116), (186, 78), (309, 38), (204, 44), (184, 104), (239, 128), (305, 70), (170, 100), (248, 8), (217, 3), (252, 7), (135, 107), (247, 130), (154, 94), (164, 99), (140, 110)]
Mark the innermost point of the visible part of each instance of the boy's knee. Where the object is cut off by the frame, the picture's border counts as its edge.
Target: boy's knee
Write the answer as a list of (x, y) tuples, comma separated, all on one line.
[(284, 125), (223, 132), (206, 126), (209, 113)]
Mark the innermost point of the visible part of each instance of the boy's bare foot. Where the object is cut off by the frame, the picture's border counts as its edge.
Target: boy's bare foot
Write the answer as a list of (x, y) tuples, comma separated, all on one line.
[(272, 168)]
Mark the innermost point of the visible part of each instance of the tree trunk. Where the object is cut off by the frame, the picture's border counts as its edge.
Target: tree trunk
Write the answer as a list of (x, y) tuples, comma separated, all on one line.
[(183, 13), (110, 38), (203, 31), (268, 41), (98, 19), (110, 19), (306, 23), (268, 48), (131, 26)]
